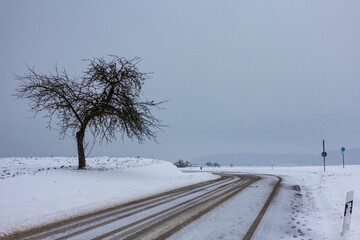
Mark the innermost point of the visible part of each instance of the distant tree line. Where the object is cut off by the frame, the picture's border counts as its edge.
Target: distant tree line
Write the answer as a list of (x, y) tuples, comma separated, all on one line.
[(209, 164), (182, 164)]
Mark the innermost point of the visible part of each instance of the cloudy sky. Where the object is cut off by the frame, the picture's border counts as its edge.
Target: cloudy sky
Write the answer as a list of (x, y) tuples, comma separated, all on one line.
[(242, 76)]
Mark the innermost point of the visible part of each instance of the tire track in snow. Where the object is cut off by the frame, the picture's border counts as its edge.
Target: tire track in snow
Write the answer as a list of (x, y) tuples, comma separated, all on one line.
[(59, 230), (156, 217)]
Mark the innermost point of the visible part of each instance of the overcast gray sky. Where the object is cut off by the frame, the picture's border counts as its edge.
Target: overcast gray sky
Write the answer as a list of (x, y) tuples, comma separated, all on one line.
[(242, 76)]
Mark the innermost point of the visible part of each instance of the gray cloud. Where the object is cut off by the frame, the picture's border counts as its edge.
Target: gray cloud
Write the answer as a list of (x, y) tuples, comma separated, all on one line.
[(242, 76)]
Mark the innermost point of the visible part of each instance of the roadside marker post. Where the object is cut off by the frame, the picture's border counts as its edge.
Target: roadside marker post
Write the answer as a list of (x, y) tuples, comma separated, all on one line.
[(343, 153), (348, 211), (324, 154)]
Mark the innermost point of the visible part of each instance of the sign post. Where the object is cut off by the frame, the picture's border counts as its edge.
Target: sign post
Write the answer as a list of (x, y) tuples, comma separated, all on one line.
[(348, 211), (324, 154), (343, 153)]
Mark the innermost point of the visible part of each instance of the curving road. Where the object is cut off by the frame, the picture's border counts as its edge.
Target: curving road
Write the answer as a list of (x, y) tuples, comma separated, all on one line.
[(160, 216)]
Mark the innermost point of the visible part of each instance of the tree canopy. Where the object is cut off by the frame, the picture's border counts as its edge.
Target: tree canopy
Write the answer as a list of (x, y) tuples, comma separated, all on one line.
[(106, 99)]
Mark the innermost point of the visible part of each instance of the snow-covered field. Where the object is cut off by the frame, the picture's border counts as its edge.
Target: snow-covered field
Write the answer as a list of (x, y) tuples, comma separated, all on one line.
[(35, 191), (319, 212)]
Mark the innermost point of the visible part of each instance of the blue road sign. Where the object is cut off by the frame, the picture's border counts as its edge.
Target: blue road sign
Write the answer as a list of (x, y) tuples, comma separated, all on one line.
[(343, 149)]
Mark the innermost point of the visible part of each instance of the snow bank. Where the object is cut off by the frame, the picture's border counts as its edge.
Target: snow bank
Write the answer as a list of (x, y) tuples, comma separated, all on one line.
[(35, 191)]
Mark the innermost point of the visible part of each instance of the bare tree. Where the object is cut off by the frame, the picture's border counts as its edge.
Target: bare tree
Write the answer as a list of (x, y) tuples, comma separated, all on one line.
[(181, 164), (105, 100)]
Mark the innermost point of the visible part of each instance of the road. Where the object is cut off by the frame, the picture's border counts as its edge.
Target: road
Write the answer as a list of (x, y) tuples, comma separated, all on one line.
[(178, 214)]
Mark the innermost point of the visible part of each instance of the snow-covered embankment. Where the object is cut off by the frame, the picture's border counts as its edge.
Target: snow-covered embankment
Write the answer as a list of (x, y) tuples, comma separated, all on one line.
[(34, 191)]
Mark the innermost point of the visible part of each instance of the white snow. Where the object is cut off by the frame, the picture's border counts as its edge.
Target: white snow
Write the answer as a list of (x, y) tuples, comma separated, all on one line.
[(318, 212), (34, 191), (232, 219)]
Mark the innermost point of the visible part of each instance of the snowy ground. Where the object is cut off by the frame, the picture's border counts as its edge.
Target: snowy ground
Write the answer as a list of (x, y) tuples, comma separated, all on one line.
[(232, 219), (316, 212), (34, 191)]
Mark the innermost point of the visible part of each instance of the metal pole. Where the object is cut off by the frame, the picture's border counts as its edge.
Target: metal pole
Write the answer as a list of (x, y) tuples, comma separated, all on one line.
[(343, 160), (324, 151)]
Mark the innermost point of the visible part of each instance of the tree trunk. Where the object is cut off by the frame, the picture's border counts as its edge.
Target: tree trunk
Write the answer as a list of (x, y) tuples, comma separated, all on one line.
[(80, 146)]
